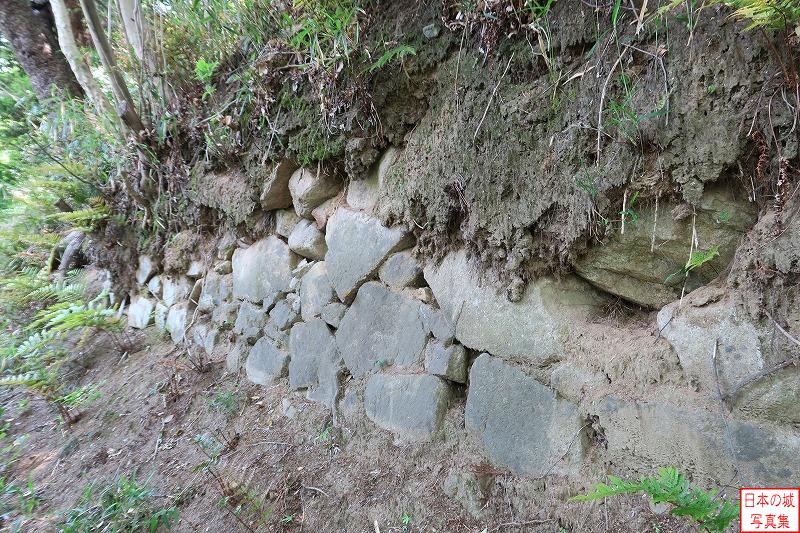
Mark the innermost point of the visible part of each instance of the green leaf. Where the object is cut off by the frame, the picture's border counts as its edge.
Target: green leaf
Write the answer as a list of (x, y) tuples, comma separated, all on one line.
[(398, 52), (615, 13)]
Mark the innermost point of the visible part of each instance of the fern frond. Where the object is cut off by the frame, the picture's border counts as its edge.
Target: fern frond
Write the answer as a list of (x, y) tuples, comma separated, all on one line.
[(671, 486)]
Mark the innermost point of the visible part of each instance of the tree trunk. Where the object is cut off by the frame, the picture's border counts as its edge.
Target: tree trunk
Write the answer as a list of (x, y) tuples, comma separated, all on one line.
[(66, 38), (130, 11), (125, 107), (36, 49)]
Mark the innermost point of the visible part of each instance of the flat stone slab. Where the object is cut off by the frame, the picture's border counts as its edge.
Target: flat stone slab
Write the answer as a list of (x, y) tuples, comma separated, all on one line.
[(381, 327), (519, 421), (629, 266), (262, 269), (357, 246), (692, 331), (410, 406), (534, 328), (266, 363)]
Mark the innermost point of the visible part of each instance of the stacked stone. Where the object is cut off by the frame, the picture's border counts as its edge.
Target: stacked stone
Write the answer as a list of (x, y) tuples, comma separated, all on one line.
[(336, 303)]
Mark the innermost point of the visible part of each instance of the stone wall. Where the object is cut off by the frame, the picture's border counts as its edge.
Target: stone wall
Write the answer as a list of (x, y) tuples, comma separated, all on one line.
[(554, 382)]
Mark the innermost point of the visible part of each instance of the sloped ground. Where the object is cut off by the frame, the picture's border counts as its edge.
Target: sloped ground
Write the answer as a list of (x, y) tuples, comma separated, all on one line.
[(281, 448)]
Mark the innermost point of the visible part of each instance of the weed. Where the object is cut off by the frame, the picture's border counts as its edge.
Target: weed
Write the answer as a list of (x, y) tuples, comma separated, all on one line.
[(244, 503), (226, 402), (696, 260), (17, 500), (629, 214), (396, 53), (670, 486), (539, 9), (204, 71), (123, 506)]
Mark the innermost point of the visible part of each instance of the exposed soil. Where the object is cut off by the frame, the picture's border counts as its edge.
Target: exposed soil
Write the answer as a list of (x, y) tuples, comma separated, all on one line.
[(283, 450)]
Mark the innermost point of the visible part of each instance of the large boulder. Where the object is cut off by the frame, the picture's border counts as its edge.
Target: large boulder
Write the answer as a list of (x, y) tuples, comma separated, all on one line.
[(154, 286), (534, 328), (266, 362), (175, 289), (286, 312), (519, 421), (285, 222), (449, 362), (307, 241), (250, 322), (216, 291), (363, 195), (176, 321), (401, 270), (263, 269), (315, 364), (145, 270), (410, 406), (140, 312), (357, 246), (275, 189), (160, 316), (381, 327), (710, 448), (310, 343), (205, 336), (645, 264), (693, 330), (229, 191), (316, 291), (310, 188)]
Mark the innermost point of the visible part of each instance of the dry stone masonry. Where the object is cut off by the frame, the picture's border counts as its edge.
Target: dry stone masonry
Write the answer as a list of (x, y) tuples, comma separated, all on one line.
[(338, 305)]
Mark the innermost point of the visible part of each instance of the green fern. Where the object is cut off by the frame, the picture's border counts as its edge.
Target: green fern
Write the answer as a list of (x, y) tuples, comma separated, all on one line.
[(396, 53), (86, 217), (672, 487), (776, 14)]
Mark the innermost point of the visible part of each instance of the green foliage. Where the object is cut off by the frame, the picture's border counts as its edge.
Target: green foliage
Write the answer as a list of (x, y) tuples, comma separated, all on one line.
[(204, 70), (672, 487), (226, 402), (396, 53), (34, 362), (777, 14), (81, 396), (697, 259), (539, 9), (125, 506), (325, 33), (774, 14)]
